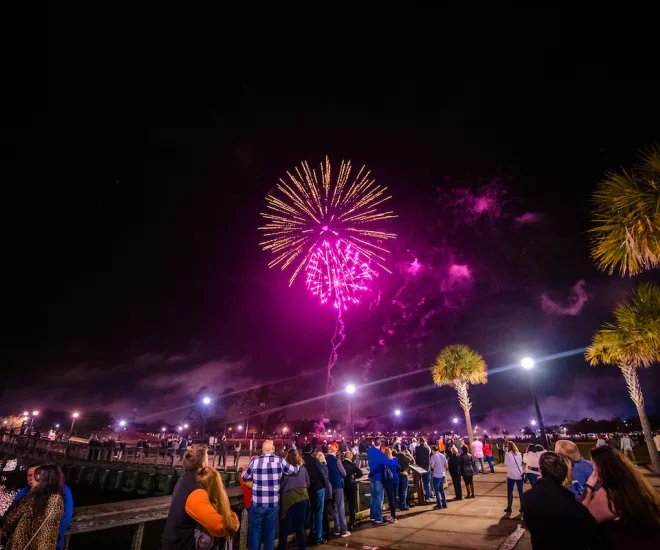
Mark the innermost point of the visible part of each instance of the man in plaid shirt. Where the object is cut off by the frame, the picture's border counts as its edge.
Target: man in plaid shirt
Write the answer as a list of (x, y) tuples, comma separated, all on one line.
[(265, 473)]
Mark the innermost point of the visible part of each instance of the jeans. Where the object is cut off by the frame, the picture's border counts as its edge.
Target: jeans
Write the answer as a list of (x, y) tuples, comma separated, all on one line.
[(426, 479), (456, 480), (391, 490), (489, 459), (479, 463), (262, 523), (509, 491), (533, 477), (376, 500), (294, 521), (403, 492), (338, 510), (316, 515), (439, 488)]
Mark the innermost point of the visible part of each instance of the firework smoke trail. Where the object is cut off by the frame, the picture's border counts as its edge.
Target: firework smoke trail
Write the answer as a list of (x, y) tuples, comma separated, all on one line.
[(337, 339)]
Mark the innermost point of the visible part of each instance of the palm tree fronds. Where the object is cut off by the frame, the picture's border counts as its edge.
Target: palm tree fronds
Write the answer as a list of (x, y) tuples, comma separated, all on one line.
[(459, 362), (626, 217)]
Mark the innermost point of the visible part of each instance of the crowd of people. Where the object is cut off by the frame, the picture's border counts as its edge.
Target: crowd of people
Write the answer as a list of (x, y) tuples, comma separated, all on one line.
[(603, 503)]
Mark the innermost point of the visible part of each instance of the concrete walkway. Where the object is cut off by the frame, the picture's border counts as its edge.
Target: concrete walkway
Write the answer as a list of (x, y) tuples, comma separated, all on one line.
[(478, 523)]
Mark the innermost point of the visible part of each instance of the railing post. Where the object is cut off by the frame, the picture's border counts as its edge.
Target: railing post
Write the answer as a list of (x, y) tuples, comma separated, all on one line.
[(67, 542), (138, 534)]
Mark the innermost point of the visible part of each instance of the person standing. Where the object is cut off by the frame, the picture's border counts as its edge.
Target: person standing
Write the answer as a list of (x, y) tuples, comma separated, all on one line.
[(316, 496), (423, 460), (623, 502), (439, 467), (500, 450), (531, 462), (391, 473), (656, 440), (377, 461), (514, 475), (68, 502), (186, 512), (413, 446), (478, 453), (580, 468), (212, 498), (550, 506), (294, 502), (33, 521), (454, 467), (350, 487), (467, 470), (327, 503), (266, 474), (404, 459), (600, 442), (223, 449), (627, 447), (336, 474), (488, 454)]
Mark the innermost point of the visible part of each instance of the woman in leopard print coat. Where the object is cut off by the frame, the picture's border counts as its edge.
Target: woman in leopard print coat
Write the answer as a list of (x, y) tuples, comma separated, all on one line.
[(33, 522)]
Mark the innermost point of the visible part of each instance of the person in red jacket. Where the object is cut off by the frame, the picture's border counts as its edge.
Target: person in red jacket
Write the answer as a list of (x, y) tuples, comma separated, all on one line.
[(488, 454)]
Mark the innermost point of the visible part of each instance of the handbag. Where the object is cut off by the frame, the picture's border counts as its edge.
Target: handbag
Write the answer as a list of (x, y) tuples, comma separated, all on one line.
[(204, 541), (525, 479)]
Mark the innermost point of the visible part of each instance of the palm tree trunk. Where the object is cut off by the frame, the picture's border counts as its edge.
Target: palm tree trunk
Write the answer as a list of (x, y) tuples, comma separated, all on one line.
[(635, 391), (464, 399)]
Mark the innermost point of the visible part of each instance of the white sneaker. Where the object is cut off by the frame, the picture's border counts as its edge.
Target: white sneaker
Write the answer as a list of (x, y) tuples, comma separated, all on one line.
[(346, 534), (391, 520)]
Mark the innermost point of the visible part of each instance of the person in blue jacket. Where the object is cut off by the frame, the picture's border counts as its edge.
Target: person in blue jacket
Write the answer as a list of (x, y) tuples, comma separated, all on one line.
[(391, 482), (68, 503), (377, 461)]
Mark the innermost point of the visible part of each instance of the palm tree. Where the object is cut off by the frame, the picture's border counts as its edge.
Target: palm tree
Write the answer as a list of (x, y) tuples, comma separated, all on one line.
[(632, 342), (626, 216), (460, 366)]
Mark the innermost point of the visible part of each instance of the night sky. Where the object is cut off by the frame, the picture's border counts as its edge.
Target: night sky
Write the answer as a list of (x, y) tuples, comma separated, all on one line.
[(132, 274)]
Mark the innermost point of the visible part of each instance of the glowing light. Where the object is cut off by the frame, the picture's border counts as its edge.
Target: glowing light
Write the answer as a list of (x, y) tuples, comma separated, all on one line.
[(185, 426), (329, 227), (163, 429), (239, 427), (207, 401), (533, 422), (122, 423), (57, 425), (35, 413), (397, 412), (527, 363), (75, 415), (26, 413), (179, 428), (455, 420), (350, 389)]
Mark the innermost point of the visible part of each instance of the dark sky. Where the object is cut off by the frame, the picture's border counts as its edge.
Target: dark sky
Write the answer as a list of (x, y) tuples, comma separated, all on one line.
[(132, 274)]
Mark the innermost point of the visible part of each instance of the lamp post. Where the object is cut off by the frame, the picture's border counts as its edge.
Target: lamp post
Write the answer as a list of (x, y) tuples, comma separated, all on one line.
[(73, 421), (34, 414), (207, 402), (528, 364), (350, 391)]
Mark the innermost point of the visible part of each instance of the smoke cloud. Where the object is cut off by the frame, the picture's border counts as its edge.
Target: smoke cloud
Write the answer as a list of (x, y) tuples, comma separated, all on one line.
[(572, 306)]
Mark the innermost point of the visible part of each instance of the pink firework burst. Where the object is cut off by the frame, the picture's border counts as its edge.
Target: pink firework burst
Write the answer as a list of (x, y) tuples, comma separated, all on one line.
[(332, 226), (336, 272)]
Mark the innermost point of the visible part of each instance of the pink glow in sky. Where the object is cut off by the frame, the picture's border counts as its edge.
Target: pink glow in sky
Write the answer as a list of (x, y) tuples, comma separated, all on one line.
[(459, 271)]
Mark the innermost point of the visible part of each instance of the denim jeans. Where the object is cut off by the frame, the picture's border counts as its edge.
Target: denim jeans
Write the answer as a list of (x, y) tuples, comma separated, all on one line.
[(509, 491), (338, 510), (391, 490), (262, 524), (316, 515), (294, 521), (376, 500), (426, 479), (533, 478), (489, 459), (403, 492), (439, 488), (479, 463)]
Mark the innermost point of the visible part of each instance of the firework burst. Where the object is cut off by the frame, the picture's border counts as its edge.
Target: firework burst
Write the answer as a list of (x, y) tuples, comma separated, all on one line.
[(329, 227)]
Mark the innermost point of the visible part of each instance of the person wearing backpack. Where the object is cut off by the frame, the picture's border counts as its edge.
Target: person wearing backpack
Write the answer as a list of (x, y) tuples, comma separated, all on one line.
[(467, 470), (391, 472)]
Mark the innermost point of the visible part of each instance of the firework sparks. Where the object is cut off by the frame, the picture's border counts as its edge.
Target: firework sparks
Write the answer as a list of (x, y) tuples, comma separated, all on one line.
[(330, 228)]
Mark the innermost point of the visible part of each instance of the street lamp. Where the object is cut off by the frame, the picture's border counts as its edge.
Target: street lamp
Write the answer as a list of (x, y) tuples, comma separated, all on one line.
[(455, 420), (533, 422), (207, 401), (122, 423), (73, 421), (527, 363), (397, 412), (34, 413), (350, 391)]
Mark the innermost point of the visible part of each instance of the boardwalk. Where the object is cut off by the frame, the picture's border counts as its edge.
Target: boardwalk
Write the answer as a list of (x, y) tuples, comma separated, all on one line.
[(478, 523)]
